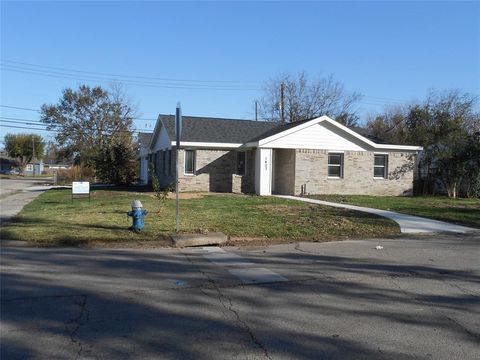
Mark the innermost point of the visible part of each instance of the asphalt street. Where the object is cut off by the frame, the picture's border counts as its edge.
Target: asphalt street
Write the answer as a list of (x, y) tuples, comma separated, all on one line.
[(417, 298)]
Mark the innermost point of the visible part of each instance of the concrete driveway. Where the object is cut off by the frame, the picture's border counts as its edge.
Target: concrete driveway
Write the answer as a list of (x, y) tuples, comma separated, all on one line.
[(418, 298), (15, 194)]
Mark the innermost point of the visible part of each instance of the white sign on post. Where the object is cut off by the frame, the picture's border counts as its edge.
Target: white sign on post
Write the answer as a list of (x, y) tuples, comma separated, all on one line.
[(80, 187)]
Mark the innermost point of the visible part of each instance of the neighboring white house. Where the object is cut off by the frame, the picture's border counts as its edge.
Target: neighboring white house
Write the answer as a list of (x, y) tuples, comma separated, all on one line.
[(315, 156)]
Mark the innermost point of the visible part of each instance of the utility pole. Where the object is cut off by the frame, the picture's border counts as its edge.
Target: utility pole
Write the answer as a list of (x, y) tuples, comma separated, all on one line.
[(33, 155), (256, 110), (282, 100)]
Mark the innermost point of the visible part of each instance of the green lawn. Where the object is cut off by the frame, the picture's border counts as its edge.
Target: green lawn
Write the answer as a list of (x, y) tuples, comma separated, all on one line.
[(52, 219), (458, 211)]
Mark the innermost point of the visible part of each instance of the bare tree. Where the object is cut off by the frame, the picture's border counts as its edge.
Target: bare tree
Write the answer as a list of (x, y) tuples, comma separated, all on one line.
[(390, 125), (304, 99)]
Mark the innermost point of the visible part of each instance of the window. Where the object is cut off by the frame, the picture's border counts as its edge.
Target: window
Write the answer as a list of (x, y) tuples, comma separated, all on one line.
[(190, 162), (380, 166), (335, 165), (241, 163)]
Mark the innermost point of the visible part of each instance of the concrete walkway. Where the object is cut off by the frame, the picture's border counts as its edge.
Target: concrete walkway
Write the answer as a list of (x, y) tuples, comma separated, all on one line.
[(408, 223)]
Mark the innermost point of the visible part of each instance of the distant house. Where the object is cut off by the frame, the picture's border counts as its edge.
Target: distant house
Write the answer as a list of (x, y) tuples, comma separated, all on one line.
[(37, 166), (315, 156), (6, 162)]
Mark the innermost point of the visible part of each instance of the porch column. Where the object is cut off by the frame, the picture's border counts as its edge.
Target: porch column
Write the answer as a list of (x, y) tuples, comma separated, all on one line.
[(263, 171)]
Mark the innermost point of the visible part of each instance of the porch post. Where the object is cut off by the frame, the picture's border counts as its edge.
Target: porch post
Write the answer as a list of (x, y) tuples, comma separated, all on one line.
[(263, 171)]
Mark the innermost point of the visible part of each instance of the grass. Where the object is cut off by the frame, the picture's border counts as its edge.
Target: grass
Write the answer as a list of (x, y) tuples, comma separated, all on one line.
[(457, 211), (52, 219)]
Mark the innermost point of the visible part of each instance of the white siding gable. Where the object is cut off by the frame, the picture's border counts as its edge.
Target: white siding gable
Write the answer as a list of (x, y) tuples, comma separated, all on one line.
[(163, 141), (322, 136)]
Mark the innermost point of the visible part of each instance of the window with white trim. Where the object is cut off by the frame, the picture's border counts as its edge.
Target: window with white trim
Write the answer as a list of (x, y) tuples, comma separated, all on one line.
[(190, 162), (380, 166), (241, 163), (335, 165)]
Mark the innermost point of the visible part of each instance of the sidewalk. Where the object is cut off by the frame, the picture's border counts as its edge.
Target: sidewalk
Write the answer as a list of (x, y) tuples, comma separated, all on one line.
[(409, 224)]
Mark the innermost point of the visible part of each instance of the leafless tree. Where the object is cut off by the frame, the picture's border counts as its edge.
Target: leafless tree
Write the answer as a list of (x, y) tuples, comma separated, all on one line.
[(305, 99)]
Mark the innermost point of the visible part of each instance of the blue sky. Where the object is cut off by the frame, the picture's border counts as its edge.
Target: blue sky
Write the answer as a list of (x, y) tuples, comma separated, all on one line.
[(391, 52)]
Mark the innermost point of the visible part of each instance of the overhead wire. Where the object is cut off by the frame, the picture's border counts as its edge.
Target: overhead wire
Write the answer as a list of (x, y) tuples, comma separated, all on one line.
[(134, 130), (129, 76), (30, 109), (143, 83)]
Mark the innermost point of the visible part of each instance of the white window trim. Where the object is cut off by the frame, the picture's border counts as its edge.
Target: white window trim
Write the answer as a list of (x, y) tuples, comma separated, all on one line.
[(194, 162), (340, 165), (385, 167), (245, 165)]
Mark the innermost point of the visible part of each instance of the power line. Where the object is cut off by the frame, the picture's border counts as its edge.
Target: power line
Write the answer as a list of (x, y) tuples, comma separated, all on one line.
[(30, 109), (23, 127), (134, 130), (131, 76), (21, 122), (12, 118), (19, 108), (64, 75)]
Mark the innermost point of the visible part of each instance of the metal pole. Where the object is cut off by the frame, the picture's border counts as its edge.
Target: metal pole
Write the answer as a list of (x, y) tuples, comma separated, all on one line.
[(33, 155), (256, 110), (178, 131)]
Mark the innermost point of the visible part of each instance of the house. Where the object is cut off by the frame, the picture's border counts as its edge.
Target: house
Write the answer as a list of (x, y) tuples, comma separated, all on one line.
[(7, 163), (314, 156), (34, 168)]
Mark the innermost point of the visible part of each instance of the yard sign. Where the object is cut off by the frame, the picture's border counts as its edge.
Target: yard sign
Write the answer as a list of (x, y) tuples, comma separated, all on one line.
[(80, 189)]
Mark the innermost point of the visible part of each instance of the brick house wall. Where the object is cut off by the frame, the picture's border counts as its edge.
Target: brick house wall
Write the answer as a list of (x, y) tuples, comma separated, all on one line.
[(311, 168), (215, 171)]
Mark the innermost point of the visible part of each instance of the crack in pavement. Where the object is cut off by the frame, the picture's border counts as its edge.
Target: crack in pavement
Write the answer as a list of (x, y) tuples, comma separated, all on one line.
[(227, 304), (81, 320)]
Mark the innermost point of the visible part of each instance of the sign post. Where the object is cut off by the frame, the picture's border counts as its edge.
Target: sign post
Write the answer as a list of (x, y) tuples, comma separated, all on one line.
[(178, 133)]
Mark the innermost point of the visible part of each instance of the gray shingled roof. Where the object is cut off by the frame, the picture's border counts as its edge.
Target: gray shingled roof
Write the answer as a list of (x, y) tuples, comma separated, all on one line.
[(144, 138), (215, 130)]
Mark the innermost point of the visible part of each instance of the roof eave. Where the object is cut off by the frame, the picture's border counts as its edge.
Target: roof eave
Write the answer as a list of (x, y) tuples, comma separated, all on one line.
[(207, 145)]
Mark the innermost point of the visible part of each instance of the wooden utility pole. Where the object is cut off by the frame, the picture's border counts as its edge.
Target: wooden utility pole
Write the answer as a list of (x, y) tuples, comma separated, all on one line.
[(282, 100)]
